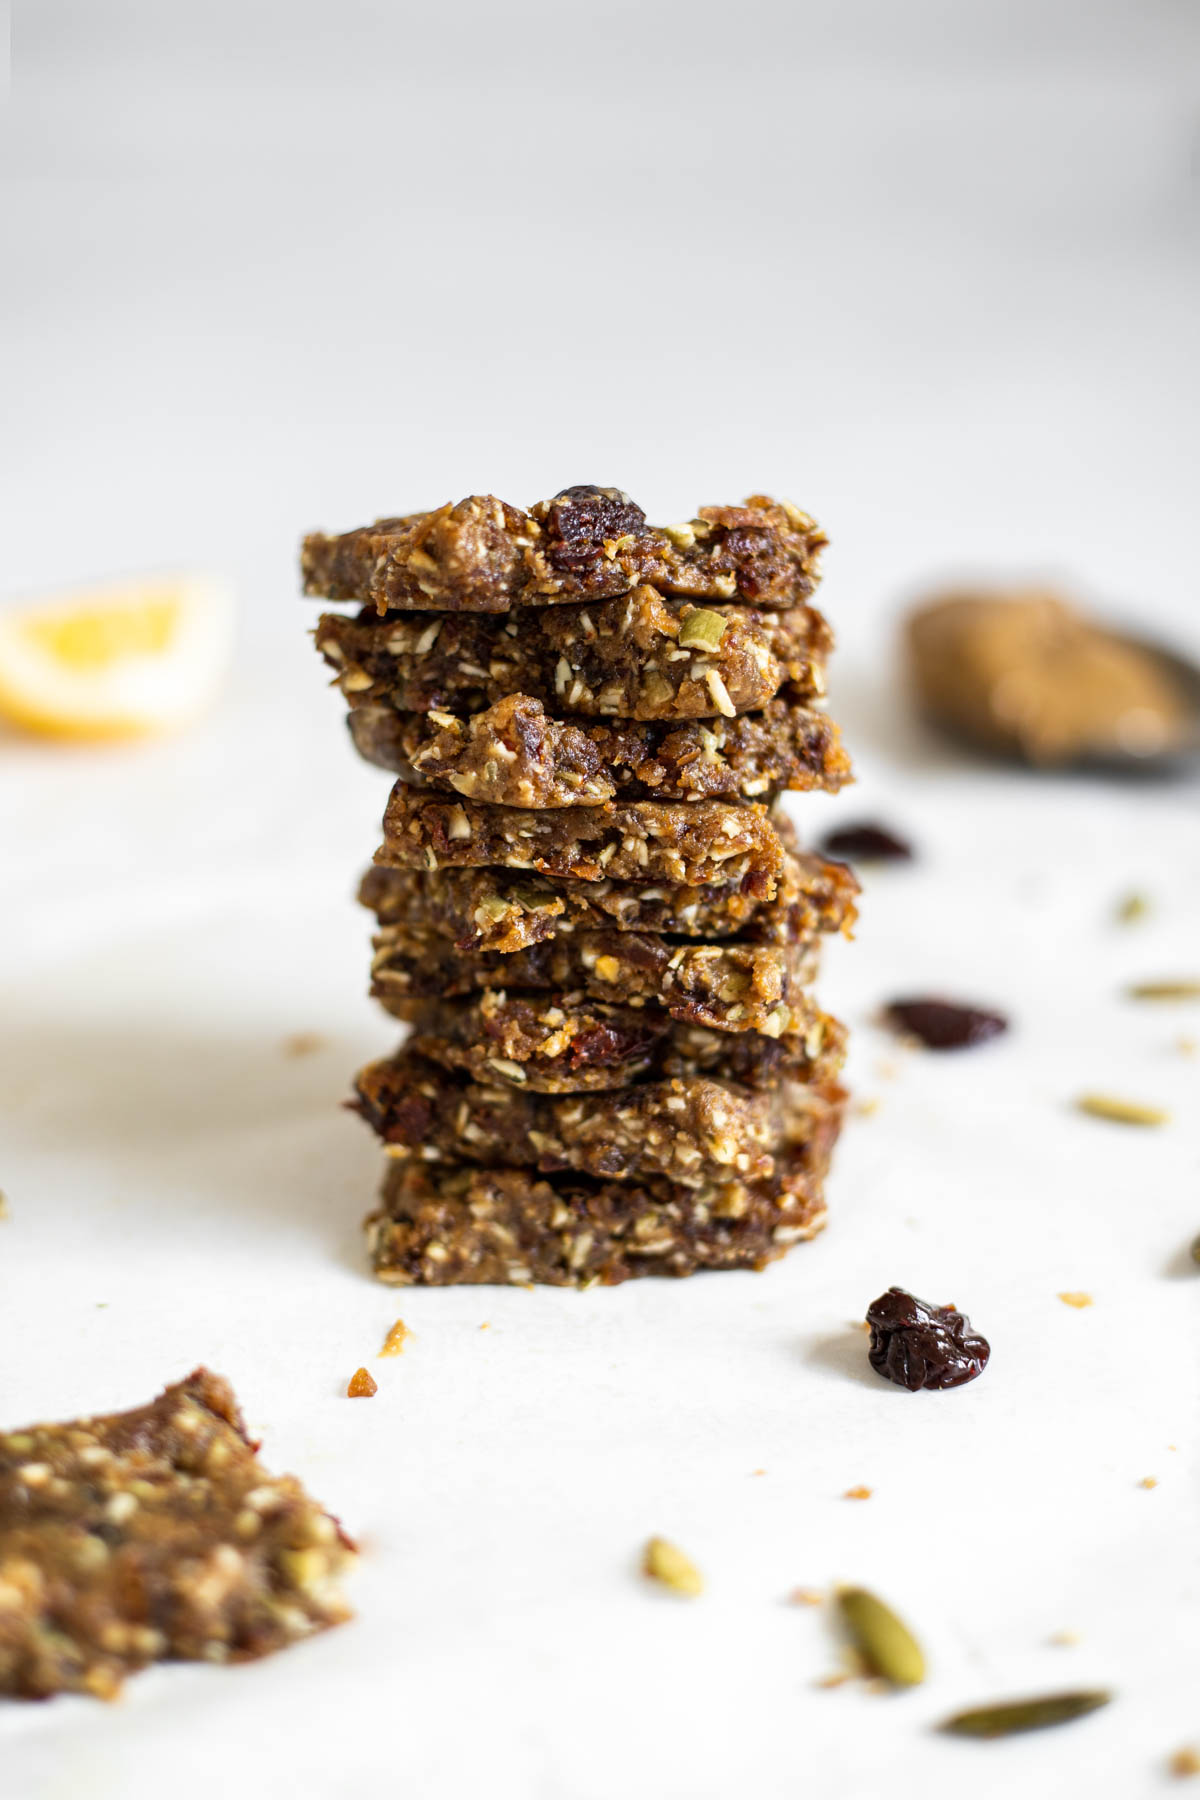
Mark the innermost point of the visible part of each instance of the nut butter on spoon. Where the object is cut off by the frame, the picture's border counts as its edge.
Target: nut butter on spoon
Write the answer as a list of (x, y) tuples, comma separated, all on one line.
[(1020, 673)]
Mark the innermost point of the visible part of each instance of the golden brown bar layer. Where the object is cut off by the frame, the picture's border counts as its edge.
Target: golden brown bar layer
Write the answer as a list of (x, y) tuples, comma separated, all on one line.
[(515, 754), (588, 543), (684, 843), (495, 910), (731, 987), (694, 1131), (564, 1044), (443, 1226), (638, 657), (154, 1534)]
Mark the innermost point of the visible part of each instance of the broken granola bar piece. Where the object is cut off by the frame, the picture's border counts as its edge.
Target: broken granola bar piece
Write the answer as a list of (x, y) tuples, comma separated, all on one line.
[(154, 1534), (495, 910), (511, 1226), (695, 1131), (639, 657), (732, 987), (515, 754), (588, 543), (566, 1043), (687, 844)]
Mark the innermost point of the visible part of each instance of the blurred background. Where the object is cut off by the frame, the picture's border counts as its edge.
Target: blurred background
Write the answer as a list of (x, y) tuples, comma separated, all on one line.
[(929, 269)]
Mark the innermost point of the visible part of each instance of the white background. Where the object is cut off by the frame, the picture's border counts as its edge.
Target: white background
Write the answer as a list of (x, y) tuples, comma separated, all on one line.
[(931, 271)]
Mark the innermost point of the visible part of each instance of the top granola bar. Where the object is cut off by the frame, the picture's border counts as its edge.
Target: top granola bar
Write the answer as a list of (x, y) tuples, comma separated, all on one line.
[(587, 543)]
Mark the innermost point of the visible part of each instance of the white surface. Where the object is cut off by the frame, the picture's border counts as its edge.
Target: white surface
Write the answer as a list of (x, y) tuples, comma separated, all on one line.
[(935, 279)]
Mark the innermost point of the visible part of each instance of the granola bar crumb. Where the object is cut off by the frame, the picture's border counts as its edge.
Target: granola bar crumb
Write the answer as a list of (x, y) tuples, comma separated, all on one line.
[(1148, 1481), (1076, 1299), (806, 1596), (1185, 1762), (302, 1043), (362, 1385), (858, 1493), (393, 1344)]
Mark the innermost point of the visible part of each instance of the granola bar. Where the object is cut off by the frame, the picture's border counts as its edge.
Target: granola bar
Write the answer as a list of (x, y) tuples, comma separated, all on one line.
[(695, 1131), (563, 1044), (637, 657), (495, 910), (681, 842), (515, 754), (732, 987), (510, 1226), (588, 543), (154, 1534)]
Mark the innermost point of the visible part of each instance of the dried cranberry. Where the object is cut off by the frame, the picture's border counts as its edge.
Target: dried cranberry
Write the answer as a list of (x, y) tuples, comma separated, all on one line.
[(921, 1346), (945, 1025), (580, 520), (866, 843)]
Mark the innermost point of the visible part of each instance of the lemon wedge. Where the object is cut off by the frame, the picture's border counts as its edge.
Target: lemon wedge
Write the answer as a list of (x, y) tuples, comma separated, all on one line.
[(123, 660)]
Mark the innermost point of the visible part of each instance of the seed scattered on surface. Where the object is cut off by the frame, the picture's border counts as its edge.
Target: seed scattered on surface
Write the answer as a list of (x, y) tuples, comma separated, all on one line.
[(1011, 1716), (944, 1024), (1185, 1762), (866, 843), (1064, 1640), (665, 1562), (302, 1043), (362, 1385), (1148, 1481), (1121, 1112), (806, 1596), (1133, 907), (3, 1204), (1076, 1298), (393, 1344), (1194, 1250), (882, 1639), (858, 1493), (1185, 988)]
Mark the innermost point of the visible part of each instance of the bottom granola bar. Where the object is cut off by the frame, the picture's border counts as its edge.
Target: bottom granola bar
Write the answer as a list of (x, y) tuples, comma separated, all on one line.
[(154, 1534), (509, 1226)]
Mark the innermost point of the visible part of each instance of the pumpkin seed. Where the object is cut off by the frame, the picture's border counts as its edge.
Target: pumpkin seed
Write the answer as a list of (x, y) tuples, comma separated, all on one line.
[(1011, 1716), (702, 630), (883, 1640), (1132, 908), (1121, 1112), (665, 1562)]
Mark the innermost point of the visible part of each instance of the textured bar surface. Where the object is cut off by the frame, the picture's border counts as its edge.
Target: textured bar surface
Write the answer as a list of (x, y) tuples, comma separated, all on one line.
[(639, 657), (516, 754), (696, 1131), (510, 1226), (589, 542), (154, 1534)]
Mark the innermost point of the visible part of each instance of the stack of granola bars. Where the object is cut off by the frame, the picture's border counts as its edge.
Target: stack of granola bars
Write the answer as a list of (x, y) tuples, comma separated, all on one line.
[(591, 911)]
